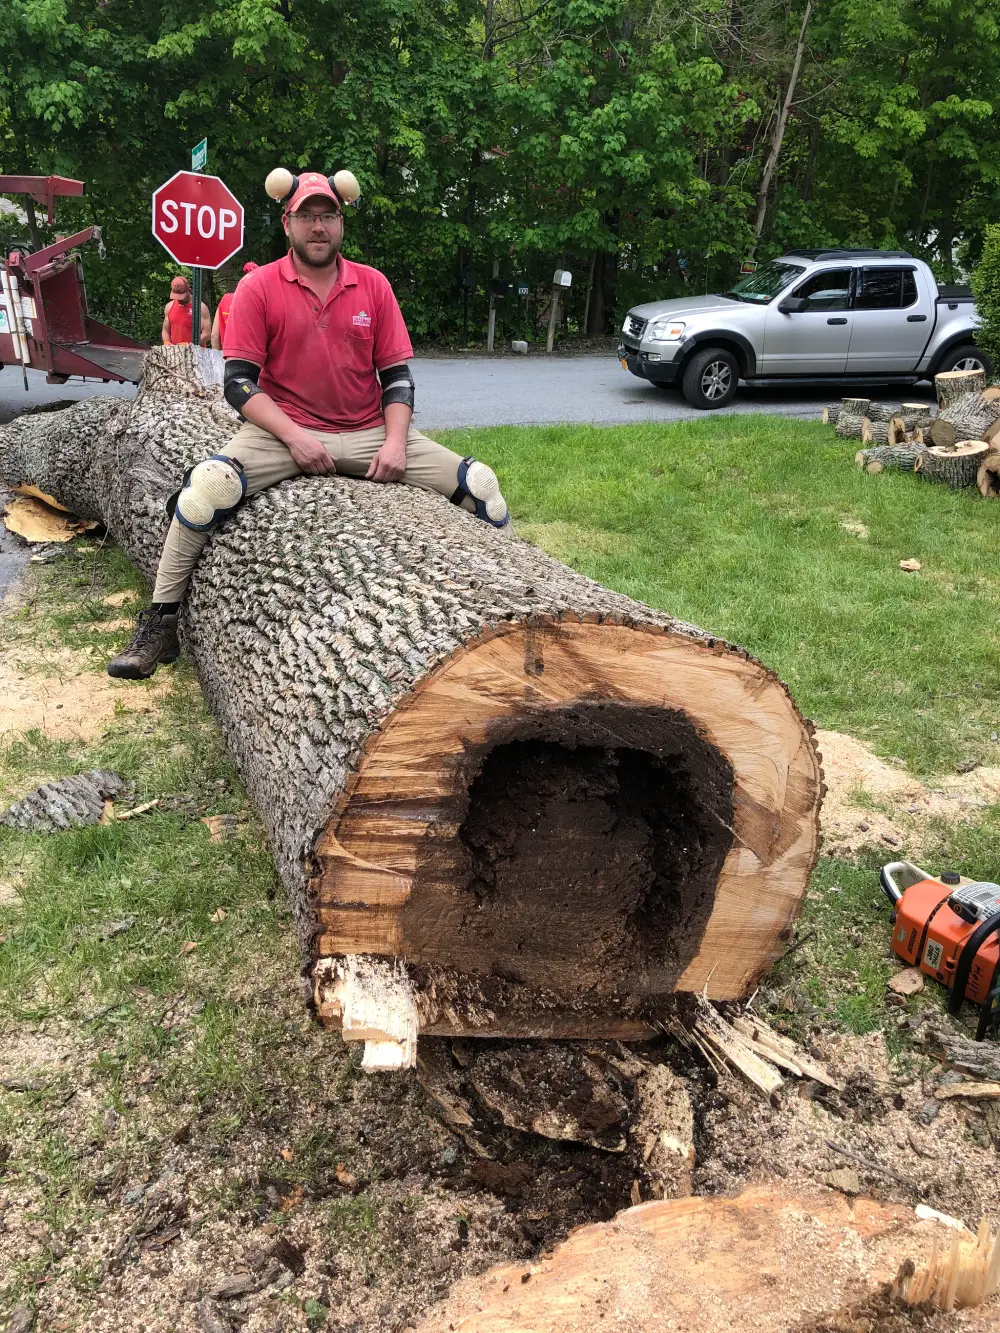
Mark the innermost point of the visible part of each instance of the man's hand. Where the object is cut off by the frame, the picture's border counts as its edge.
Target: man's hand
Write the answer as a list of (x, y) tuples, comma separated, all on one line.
[(389, 463), (310, 455)]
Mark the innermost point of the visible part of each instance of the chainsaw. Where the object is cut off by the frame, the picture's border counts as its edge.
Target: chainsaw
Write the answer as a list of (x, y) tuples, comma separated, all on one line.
[(951, 931)]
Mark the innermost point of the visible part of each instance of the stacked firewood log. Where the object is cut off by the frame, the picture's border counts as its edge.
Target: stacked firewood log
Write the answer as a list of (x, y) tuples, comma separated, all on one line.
[(957, 442)]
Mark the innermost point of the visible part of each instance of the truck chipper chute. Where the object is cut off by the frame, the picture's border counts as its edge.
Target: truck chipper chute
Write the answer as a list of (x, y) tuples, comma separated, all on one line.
[(44, 321)]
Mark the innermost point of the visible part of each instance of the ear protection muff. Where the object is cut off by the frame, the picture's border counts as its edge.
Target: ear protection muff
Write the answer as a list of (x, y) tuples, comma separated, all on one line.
[(280, 185)]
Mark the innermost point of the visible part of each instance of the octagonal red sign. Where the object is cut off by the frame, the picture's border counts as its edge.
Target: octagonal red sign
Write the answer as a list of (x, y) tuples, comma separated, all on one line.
[(197, 219)]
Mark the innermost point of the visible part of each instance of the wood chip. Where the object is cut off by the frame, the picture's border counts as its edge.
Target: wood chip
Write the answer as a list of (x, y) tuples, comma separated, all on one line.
[(909, 566), (38, 522), (138, 809), (908, 982), (988, 1091)]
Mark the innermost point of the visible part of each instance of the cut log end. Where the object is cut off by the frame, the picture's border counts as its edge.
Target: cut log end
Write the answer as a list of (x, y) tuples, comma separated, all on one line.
[(568, 862)]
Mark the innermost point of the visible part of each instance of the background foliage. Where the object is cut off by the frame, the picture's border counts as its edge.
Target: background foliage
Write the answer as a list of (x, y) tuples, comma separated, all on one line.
[(623, 139)]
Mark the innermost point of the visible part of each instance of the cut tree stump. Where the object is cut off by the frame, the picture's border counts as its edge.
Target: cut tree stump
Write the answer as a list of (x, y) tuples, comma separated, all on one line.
[(881, 411), (770, 1260), (955, 384), (988, 476), (544, 806), (957, 466)]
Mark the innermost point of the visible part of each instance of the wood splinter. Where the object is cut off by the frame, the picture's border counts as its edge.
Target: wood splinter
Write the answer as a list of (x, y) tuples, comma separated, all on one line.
[(372, 1001)]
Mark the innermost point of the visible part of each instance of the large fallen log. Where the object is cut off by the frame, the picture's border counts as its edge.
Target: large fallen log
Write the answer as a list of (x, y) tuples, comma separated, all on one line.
[(535, 806)]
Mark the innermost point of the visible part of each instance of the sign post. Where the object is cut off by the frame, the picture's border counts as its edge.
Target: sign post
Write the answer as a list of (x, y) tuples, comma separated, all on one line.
[(199, 222), (199, 156)]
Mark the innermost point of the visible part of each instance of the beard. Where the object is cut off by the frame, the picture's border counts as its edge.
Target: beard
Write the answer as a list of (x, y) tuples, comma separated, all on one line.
[(314, 258)]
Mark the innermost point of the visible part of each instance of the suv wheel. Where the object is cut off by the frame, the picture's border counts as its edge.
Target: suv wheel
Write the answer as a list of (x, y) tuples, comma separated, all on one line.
[(711, 378), (969, 357)]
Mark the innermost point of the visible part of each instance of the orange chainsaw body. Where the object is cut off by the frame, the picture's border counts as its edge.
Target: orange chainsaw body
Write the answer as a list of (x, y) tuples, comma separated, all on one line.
[(928, 933)]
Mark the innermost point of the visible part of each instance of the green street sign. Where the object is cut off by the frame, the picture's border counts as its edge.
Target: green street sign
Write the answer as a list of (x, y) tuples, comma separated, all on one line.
[(199, 155)]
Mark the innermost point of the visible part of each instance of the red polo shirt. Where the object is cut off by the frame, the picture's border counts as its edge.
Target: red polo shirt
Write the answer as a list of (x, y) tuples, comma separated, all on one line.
[(318, 359)]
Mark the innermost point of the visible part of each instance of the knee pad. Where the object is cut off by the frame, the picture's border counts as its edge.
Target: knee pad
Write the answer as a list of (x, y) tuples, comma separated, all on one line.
[(211, 491), (480, 483)]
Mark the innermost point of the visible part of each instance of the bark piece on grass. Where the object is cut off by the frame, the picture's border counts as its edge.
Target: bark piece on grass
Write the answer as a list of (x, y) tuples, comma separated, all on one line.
[(954, 384), (957, 466), (65, 802), (410, 695)]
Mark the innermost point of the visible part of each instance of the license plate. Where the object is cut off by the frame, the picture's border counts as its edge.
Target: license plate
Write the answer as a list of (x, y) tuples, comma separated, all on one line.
[(624, 363)]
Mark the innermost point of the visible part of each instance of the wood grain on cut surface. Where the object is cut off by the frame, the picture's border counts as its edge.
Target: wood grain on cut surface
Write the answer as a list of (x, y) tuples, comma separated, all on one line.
[(770, 1260)]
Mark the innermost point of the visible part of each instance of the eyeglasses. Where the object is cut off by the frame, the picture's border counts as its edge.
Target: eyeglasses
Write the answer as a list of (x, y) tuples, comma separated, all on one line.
[(327, 219)]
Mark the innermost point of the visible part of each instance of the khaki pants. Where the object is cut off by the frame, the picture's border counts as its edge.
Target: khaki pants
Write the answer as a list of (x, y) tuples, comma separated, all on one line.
[(267, 461)]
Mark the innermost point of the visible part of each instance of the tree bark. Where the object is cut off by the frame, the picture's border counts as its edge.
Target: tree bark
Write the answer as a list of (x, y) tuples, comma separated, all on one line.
[(850, 425), (779, 129), (544, 806)]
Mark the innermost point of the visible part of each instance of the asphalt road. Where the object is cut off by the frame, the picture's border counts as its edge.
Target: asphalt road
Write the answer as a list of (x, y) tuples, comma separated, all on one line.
[(500, 391)]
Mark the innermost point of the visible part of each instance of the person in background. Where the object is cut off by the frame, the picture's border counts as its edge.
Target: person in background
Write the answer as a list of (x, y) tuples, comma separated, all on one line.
[(222, 312), (177, 315)]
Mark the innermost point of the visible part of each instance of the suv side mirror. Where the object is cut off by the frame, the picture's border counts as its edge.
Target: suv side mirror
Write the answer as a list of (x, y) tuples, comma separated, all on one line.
[(793, 305)]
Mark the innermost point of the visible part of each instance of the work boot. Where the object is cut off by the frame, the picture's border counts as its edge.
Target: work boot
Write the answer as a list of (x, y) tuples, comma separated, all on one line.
[(154, 643)]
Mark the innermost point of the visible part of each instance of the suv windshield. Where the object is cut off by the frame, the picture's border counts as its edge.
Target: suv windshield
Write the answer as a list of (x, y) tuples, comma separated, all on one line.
[(766, 283)]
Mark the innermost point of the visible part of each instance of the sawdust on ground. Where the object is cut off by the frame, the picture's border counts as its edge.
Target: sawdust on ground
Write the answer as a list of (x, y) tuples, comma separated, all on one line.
[(872, 803), (66, 694)]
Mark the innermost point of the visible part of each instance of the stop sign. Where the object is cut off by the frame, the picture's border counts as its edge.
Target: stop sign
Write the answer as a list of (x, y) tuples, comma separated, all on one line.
[(197, 219)]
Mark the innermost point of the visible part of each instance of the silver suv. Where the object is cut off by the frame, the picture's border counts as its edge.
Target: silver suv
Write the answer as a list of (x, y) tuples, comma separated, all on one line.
[(826, 316)]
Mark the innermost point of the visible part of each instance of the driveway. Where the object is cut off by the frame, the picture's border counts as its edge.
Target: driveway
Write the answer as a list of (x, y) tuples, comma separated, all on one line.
[(509, 391)]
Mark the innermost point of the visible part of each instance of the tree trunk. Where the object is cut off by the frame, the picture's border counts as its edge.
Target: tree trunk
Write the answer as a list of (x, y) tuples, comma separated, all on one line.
[(958, 466), (779, 129), (543, 805), (595, 311), (874, 432)]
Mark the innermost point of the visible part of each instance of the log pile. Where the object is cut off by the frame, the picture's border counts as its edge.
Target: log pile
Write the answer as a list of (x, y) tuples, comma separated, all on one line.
[(957, 443), (504, 800)]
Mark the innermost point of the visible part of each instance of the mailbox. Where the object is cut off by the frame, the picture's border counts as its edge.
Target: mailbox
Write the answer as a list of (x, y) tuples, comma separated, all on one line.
[(562, 278)]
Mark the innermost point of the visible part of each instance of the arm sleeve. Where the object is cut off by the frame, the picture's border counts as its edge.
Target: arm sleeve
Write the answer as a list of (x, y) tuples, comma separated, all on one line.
[(392, 342), (246, 331)]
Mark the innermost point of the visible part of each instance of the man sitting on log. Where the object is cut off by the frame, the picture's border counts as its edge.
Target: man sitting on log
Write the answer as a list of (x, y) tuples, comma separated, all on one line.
[(316, 364)]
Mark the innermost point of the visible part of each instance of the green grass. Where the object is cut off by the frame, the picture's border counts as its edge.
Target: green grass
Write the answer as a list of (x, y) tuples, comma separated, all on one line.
[(736, 524)]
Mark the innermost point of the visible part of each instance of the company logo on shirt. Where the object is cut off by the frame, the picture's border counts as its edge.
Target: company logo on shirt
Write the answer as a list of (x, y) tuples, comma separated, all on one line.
[(363, 319)]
